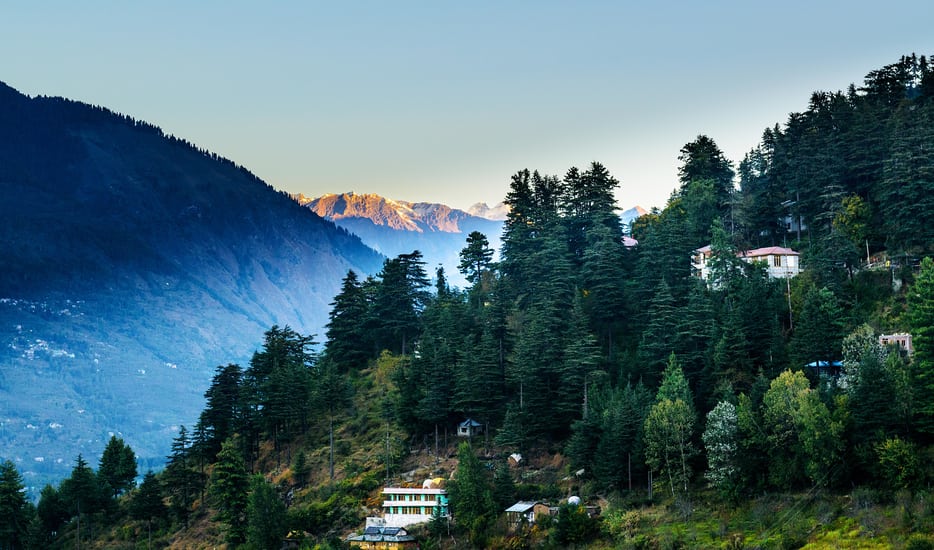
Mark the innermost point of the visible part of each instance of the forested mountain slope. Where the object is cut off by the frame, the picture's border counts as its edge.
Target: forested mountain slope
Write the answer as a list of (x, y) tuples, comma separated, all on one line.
[(132, 264)]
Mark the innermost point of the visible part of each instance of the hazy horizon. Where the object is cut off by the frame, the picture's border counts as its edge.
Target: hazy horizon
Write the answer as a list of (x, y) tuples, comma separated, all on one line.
[(443, 103)]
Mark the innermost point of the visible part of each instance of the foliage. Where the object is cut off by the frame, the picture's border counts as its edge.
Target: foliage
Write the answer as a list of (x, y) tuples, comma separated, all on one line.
[(669, 428), (574, 526), (117, 468), (899, 462), (471, 495), (265, 515), (920, 317), (229, 486), (721, 443), (476, 258), (14, 512), (147, 502), (818, 329)]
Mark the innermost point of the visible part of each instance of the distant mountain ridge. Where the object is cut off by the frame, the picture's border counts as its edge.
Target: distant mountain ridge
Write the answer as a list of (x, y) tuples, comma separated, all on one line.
[(133, 264), (394, 227), (409, 216), (497, 212)]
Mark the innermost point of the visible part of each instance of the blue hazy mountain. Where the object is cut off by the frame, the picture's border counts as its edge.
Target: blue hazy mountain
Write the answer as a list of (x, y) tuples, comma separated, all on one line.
[(131, 264)]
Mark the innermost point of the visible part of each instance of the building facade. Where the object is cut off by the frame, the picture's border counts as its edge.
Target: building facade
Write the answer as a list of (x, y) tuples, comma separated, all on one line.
[(403, 506), (780, 262)]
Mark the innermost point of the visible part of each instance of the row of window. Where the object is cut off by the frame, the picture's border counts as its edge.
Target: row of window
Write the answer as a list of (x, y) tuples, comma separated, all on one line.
[(411, 498), (410, 510)]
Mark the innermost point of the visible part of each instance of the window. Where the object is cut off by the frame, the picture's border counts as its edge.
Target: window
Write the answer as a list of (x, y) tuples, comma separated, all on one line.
[(777, 261)]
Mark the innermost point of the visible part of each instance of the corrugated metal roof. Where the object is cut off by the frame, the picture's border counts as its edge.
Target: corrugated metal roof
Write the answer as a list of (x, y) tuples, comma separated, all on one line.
[(521, 507)]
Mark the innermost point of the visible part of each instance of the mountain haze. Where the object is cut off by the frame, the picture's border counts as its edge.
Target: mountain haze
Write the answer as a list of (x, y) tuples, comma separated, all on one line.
[(481, 210), (397, 227), (134, 263)]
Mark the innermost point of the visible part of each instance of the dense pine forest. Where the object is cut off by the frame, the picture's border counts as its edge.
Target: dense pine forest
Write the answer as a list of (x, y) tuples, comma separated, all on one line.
[(623, 376)]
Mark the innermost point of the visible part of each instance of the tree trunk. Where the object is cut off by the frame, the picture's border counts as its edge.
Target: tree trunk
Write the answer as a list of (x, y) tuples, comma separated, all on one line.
[(331, 450), (629, 468), (650, 484)]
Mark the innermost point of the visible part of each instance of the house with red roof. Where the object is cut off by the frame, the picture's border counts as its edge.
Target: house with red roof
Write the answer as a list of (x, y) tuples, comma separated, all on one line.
[(780, 262)]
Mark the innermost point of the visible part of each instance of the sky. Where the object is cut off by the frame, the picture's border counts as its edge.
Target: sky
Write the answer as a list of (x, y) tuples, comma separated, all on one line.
[(443, 101)]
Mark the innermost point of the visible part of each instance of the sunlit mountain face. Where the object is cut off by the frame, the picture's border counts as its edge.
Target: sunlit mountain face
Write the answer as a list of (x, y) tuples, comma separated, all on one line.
[(394, 227)]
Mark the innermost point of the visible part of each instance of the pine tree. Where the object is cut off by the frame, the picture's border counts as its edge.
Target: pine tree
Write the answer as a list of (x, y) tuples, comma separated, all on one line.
[(587, 204), (300, 470), (504, 487), (476, 258), (819, 331), (52, 510), (13, 507), (920, 317), (82, 492), (229, 486), (531, 375), (265, 515), (348, 343), (907, 186), (399, 301), (603, 285), (730, 353), (117, 468), (619, 457), (478, 380), (471, 495), (276, 386), (696, 335), (223, 408), (659, 339), (703, 160), (581, 358), (761, 213), (180, 480), (674, 384), (532, 219), (331, 394), (147, 504)]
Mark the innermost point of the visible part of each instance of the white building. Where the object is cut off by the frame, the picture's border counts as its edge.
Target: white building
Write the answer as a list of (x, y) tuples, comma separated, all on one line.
[(900, 339), (403, 506), (780, 262)]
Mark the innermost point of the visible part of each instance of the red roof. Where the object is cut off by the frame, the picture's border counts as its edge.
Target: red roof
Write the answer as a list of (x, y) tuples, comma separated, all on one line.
[(769, 251)]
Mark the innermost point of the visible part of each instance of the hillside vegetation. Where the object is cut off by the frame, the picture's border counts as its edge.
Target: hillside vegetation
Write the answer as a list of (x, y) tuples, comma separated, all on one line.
[(682, 407)]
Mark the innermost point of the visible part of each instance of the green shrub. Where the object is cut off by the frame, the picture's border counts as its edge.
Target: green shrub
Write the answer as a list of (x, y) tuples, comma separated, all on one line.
[(920, 542)]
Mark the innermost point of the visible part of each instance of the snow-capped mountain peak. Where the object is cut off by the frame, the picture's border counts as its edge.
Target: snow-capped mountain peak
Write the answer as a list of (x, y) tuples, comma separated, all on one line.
[(497, 212)]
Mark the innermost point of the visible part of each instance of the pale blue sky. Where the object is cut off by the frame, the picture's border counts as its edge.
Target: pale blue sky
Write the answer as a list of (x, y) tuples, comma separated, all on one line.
[(444, 101)]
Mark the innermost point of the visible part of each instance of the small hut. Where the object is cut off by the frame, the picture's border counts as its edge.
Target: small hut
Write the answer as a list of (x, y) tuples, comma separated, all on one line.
[(469, 428)]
